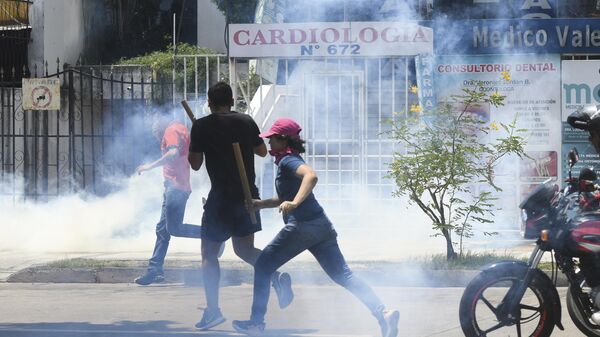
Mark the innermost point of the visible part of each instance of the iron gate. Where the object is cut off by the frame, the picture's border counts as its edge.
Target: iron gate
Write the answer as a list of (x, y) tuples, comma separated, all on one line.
[(100, 132), (343, 105), (345, 110)]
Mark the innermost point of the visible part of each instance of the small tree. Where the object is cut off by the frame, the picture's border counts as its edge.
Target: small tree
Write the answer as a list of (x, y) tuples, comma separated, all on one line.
[(161, 61), (446, 156), (239, 11)]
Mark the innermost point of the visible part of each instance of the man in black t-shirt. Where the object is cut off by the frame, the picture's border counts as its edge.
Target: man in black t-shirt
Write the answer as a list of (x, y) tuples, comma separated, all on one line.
[(225, 215)]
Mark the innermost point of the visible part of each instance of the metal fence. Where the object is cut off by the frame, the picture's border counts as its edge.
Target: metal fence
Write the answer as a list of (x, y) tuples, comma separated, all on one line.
[(192, 75), (100, 131)]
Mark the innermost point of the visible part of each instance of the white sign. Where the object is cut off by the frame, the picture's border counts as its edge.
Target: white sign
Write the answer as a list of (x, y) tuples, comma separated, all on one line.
[(41, 93), (320, 39), (531, 85), (581, 85)]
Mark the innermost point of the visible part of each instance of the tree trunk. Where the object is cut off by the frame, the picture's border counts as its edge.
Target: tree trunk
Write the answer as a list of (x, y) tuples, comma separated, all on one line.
[(450, 253)]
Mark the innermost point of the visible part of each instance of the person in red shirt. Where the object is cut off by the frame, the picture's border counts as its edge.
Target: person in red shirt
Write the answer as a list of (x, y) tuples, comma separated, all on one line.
[(174, 145)]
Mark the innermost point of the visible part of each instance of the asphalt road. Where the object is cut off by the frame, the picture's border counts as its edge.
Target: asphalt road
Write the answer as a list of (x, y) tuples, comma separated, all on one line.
[(69, 310)]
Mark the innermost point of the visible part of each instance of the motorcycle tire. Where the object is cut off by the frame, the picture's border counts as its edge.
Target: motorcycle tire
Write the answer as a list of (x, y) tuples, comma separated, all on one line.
[(581, 322), (473, 297)]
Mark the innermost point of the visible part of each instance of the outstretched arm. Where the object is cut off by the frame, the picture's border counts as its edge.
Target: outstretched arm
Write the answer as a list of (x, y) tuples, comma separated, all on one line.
[(266, 203), (166, 157)]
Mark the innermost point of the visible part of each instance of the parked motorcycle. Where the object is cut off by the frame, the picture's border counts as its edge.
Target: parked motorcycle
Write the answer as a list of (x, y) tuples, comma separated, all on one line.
[(514, 298)]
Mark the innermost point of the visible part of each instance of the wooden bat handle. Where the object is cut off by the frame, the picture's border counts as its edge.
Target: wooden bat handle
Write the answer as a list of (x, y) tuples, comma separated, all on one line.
[(245, 186), (188, 110)]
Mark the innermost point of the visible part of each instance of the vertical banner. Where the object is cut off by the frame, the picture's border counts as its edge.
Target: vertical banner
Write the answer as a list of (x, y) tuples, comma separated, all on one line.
[(531, 84), (581, 87), (424, 64)]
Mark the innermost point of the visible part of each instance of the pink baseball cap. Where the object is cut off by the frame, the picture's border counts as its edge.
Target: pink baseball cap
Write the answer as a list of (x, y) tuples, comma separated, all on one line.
[(283, 127)]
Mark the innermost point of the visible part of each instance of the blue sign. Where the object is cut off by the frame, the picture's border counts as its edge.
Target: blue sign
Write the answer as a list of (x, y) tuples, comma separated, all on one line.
[(527, 36), (425, 65)]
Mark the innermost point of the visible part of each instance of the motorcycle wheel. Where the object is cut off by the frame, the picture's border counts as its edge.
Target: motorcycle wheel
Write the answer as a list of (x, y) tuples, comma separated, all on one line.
[(482, 299), (581, 322)]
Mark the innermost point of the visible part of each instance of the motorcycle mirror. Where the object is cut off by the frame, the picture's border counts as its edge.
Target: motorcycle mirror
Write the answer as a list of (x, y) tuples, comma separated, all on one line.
[(573, 157)]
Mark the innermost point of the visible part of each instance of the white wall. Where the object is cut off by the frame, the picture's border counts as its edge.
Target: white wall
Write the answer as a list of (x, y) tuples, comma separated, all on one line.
[(35, 49), (73, 30), (57, 32), (211, 26)]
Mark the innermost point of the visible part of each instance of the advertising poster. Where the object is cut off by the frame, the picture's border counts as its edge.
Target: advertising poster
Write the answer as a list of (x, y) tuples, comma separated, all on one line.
[(531, 84), (581, 86)]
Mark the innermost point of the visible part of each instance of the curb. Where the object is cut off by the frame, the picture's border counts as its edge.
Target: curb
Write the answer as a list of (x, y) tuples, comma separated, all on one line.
[(238, 276)]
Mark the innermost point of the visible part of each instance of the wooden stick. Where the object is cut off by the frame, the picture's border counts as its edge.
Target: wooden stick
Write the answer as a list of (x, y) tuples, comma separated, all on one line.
[(188, 110), (245, 186)]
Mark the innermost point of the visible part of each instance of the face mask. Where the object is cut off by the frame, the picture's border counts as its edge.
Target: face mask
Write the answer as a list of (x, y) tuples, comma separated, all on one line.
[(282, 153)]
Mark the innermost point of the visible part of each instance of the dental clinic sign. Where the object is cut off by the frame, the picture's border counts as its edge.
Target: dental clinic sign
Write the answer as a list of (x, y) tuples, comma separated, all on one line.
[(518, 36), (334, 39)]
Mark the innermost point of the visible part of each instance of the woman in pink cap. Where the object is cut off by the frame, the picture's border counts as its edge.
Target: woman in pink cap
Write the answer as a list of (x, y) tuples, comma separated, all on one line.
[(306, 228)]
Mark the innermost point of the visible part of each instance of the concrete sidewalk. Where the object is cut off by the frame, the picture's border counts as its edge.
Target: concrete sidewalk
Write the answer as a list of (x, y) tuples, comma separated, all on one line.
[(184, 267)]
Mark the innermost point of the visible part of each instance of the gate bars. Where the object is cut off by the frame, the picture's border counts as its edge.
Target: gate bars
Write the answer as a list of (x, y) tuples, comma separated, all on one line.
[(100, 132)]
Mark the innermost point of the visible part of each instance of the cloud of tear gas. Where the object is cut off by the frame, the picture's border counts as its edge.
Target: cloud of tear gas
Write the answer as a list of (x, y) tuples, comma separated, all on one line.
[(327, 97), (123, 213), (356, 10), (122, 221), (346, 97), (304, 86)]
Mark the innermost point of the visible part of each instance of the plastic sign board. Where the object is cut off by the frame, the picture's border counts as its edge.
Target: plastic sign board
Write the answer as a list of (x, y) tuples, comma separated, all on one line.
[(531, 85), (532, 36), (329, 39), (41, 93), (580, 87)]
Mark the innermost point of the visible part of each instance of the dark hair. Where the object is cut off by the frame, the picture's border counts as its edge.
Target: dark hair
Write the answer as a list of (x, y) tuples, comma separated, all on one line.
[(295, 143), (220, 94)]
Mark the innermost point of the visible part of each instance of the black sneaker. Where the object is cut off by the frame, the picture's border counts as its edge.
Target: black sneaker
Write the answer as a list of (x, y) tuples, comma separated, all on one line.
[(150, 277), (210, 318), (389, 323), (249, 327), (282, 283)]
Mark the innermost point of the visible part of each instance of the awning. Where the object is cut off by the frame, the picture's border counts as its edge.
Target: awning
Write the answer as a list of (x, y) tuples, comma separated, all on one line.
[(14, 13)]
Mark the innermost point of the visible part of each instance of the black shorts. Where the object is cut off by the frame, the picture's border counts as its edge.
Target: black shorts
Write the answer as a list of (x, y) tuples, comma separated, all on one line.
[(224, 219)]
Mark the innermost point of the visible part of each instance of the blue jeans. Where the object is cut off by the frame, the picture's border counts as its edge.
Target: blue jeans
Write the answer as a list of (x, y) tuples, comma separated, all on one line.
[(319, 237), (171, 223)]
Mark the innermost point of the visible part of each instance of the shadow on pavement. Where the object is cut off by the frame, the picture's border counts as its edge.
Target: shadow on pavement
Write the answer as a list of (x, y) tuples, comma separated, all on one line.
[(122, 329)]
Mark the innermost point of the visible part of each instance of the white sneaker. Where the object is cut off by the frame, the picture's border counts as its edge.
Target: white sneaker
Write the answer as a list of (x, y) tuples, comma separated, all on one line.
[(389, 323)]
